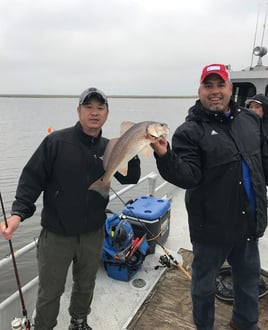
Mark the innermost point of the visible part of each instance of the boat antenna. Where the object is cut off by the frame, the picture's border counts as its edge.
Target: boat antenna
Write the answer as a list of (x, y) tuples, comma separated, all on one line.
[(255, 35), (24, 311), (264, 24), (167, 252)]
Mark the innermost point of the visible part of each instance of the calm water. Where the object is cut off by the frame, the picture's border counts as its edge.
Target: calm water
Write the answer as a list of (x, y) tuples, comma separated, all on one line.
[(23, 125)]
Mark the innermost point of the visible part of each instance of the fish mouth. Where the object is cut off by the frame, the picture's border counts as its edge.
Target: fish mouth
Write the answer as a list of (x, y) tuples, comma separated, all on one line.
[(155, 131), (154, 136)]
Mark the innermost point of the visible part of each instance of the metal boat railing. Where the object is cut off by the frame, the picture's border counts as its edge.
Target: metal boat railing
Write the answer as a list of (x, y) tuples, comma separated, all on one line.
[(10, 307)]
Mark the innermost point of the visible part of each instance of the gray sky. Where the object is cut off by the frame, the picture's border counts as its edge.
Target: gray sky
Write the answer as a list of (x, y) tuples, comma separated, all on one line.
[(144, 47)]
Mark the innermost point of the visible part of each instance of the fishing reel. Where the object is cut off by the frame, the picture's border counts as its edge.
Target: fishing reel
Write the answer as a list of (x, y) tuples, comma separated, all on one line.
[(164, 261), (20, 324)]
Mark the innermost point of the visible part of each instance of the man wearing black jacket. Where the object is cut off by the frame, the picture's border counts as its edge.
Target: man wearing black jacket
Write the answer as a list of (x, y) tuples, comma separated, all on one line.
[(220, 157), (65, 164)]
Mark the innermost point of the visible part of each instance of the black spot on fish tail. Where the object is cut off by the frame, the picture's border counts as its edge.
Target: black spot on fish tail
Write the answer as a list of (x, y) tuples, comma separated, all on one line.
[(103, 194), (97, 201)]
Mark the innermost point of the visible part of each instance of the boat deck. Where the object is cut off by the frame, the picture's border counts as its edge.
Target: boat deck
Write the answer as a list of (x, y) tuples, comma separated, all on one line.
[(169, 305)]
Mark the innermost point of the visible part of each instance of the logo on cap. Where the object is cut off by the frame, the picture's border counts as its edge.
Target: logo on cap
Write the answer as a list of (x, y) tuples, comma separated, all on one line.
[(219, 69), (90, 92)]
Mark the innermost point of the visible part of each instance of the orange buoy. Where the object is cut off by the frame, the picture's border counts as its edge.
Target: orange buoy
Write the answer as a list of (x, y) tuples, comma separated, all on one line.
[(49, 129)]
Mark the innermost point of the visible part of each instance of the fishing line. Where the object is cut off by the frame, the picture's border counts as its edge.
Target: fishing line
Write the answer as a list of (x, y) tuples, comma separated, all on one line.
[(24, 311), (179, 266)]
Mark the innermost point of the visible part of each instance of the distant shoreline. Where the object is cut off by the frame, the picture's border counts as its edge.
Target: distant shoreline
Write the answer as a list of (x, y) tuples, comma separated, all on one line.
[(109, 96)]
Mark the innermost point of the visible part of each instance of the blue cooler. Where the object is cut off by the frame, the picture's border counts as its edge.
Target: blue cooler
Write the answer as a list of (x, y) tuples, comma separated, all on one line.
[(152, 212)]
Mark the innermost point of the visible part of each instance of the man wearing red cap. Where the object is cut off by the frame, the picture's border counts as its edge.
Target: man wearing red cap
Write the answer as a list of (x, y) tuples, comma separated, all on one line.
[(220, 157)]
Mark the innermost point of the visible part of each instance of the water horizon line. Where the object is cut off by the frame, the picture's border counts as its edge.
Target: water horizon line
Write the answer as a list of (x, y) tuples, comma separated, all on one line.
[(129, 96)]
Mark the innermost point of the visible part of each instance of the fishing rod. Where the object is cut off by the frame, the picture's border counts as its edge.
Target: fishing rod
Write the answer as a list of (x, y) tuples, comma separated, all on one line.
[(167, 252), (24, 311)]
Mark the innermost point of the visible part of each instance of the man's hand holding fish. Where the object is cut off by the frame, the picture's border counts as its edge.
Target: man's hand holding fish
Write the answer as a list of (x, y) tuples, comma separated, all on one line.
[(160, 146)]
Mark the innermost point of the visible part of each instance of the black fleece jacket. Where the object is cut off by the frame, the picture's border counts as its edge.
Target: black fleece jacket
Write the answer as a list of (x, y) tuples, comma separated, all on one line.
[(206, 159), (65, 164)]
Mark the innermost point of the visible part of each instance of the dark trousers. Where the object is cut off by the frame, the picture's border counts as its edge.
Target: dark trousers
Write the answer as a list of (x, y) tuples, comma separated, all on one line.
[(55, 254), (245, 261)]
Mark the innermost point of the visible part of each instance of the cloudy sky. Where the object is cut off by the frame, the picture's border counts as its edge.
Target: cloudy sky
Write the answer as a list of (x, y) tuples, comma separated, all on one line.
[(144, 47)]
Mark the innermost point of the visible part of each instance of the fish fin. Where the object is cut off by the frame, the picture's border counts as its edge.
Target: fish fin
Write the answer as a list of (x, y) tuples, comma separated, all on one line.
[(108, 151), (125, 125), (146, 152), (102, 187)]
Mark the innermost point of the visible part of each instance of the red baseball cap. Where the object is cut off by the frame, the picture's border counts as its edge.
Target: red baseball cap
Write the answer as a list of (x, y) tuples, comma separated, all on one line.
[(219, 69)]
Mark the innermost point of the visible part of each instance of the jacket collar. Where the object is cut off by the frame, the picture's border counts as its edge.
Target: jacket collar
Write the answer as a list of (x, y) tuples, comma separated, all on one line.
[(84, 138), (199, 113)]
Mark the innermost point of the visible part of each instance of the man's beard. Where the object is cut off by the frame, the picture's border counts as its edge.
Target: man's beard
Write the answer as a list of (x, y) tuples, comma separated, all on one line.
[(219, 107)]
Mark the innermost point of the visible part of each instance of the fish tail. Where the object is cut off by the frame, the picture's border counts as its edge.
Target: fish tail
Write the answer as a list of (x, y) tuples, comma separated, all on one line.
[(101, 186)]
